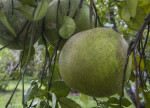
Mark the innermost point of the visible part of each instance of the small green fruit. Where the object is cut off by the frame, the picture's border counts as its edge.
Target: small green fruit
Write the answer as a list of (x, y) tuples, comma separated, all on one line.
[(92, 62), (81, 19), (17, 21)]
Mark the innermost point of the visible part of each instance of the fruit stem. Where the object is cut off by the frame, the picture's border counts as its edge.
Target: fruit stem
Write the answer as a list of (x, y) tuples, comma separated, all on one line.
[(91, 14)]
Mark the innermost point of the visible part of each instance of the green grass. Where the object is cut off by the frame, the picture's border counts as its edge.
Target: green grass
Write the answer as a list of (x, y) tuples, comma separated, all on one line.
[(17, 98)]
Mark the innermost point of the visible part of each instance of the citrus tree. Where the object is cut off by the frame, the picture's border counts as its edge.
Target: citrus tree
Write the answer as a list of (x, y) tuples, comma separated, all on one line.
[(100, 48)]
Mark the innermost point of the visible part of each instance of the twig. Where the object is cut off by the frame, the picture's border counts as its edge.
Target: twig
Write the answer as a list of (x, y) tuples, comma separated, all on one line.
[(69, 4), (18, 81), (136, 81), (26, 63), (45, 64), (80, 6), (112, 19), (139, 34), (123, 81), (97, 102), (131, 49), (12, 7), (139, 66), (97, 16), (6, 106), (16, 66), (146, 39), (55, 51), (91, 14)]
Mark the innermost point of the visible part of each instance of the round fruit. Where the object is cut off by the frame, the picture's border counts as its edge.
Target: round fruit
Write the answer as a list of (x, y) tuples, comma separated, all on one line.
[(81, 19), (17, 21), (92, 62)]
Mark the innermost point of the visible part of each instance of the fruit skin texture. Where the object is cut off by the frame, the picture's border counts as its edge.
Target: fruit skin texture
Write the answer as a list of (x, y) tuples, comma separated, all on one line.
[(81, 19), (17, 21), (92, 62)]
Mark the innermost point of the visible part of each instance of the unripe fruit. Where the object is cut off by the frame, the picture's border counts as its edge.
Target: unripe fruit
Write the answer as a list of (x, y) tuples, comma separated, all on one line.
[(17, 21), (81, 19), (92, 62)]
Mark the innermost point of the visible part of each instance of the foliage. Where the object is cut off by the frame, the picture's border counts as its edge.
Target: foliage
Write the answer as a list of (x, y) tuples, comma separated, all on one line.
[(41, 61)]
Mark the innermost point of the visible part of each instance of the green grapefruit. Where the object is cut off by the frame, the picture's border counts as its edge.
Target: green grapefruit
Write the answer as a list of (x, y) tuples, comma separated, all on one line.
[(17, 21), (81, 19), (92, 62)]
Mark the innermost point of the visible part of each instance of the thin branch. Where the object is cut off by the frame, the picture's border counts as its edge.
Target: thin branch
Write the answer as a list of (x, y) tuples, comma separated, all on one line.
[(136, 81), (131, 49), (97, 16), (146, 40), (19, 79), (45, 63), (16, 66), (55, 51), (97, 102), (69, 4), (91, 14), (6, 106), (139, 66), (140, 33), (80, 6), (12, 8), (123, 81), (112, 19)]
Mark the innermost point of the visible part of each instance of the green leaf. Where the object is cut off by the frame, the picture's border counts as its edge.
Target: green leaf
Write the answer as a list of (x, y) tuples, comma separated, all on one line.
[(67, 28), (54, 100), (41, 10), (56, 75), (148, 65), (126, 102), (44, 104), (29, 94), (132, 76), (132, 5), (144, 4), (60, 89), (28, 2), (84, 99), (114, 100), (41, 93), (146, 96), (125, 13), (5, 22), (114, 106), (40, 42), (25, 54), (138, 60), (26, 10), (137, 22), (51, 50), (68, 103)]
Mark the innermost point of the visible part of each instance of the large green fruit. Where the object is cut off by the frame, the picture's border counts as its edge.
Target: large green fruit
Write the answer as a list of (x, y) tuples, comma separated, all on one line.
[(17, 21), (81, 19), (92, 62)]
